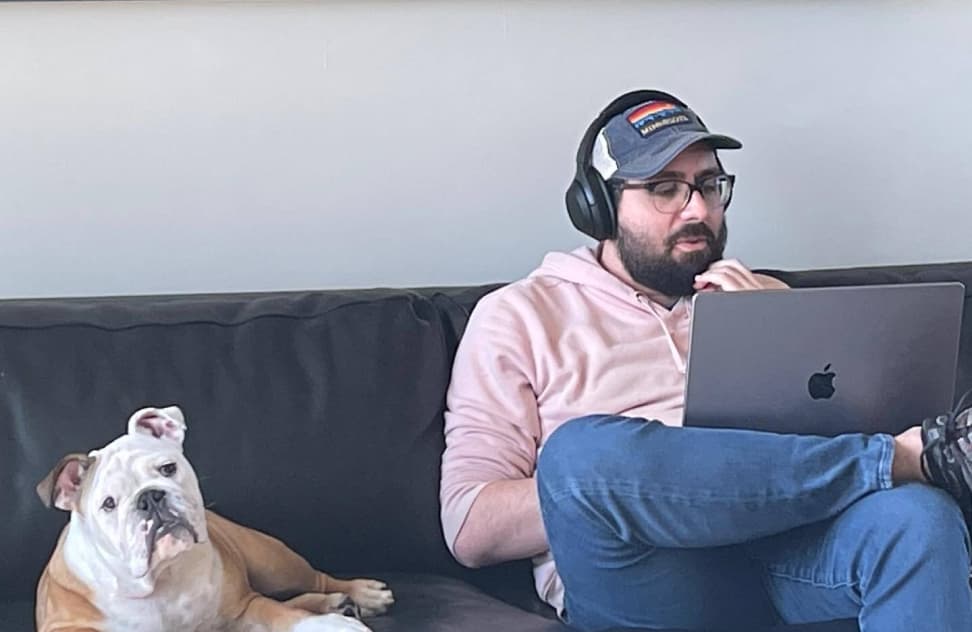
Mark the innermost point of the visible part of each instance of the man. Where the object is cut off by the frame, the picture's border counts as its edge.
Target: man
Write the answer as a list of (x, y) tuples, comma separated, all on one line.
[(632, 520)]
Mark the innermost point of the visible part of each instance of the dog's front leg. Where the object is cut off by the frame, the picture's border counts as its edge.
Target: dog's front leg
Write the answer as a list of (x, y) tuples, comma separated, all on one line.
[(274, 569)]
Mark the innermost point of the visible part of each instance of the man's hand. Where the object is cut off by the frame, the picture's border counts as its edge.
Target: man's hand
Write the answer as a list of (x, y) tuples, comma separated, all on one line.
[(729, 275)]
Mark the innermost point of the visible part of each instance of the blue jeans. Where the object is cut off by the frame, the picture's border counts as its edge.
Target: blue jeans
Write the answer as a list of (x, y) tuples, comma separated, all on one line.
[(658, 527)]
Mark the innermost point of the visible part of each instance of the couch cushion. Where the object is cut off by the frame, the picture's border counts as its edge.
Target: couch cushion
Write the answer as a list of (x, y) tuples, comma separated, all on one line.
[(440, 604)]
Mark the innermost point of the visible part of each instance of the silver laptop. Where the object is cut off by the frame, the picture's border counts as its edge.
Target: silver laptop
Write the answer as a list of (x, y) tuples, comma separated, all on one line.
[(824, 361)]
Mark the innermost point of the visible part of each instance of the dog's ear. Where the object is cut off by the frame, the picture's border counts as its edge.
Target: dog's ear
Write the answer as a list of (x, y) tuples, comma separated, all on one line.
[(162, 423), (61, 488)]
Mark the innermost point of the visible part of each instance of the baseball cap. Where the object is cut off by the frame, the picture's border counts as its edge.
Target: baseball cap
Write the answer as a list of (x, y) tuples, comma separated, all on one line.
[(639, 142)]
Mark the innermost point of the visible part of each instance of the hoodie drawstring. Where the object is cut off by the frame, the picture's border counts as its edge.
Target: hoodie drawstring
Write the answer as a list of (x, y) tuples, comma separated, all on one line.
[(676, 356)]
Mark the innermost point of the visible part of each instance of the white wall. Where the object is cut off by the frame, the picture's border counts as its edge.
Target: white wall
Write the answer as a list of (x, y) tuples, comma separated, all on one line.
[(221, 146)]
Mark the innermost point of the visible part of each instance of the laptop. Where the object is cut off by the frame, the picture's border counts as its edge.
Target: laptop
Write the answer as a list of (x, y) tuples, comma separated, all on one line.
[(824, 361)]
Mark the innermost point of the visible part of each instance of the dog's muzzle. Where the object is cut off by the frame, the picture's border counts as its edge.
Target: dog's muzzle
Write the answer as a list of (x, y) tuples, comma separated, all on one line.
[(153, 505)]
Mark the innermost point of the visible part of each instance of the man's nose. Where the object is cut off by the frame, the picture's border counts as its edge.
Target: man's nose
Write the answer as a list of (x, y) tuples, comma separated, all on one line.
[(696, 209), (151, 499)]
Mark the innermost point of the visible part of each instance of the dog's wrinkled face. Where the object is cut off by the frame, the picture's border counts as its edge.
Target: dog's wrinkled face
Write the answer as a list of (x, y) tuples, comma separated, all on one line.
[(136, 500)]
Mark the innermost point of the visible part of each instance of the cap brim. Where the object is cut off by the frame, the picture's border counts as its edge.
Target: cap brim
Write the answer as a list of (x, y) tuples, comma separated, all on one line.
[(650, 164)]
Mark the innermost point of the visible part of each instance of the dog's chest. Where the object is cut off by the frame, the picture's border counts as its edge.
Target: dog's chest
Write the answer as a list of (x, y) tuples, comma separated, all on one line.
[(195, 609)]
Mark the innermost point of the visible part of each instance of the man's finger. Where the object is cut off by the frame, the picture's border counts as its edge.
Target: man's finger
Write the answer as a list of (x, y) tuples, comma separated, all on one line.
[(728, 280), (746, 275), (719, 280)]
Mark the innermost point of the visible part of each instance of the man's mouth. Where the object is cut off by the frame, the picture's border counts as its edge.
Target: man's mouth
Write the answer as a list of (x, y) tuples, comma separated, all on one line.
[(691, 244), (691, 238)]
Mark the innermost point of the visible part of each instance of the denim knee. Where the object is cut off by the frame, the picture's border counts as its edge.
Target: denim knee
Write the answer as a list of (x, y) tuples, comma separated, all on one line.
[(920, 523)]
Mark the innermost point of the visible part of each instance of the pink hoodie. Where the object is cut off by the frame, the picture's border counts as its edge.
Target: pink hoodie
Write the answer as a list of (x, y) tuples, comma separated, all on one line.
[(569, 340)]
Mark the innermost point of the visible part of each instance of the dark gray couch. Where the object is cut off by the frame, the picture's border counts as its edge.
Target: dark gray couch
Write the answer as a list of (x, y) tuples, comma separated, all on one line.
[(315, 416)]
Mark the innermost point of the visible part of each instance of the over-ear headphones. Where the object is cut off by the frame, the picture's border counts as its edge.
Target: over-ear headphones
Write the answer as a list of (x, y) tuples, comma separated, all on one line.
[(590, 204)]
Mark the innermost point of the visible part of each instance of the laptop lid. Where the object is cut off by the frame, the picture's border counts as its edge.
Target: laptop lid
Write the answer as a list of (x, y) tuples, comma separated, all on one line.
[(826, 361)]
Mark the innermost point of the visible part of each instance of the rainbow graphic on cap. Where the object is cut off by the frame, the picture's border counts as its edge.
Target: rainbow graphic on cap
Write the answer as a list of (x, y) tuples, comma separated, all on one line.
[(651, 111)]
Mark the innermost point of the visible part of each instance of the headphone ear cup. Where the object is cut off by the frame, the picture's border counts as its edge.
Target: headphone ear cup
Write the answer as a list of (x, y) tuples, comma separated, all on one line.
[(590, 206), (579, 208)]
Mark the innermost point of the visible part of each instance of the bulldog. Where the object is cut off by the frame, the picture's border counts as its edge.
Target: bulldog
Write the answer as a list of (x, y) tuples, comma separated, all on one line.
[(142, 554)]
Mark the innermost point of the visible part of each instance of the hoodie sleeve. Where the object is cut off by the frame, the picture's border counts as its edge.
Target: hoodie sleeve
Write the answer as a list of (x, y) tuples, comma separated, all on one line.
[(492, 426)]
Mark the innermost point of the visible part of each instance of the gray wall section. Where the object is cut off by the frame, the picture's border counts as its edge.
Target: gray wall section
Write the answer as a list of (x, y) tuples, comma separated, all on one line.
[(221, 146)]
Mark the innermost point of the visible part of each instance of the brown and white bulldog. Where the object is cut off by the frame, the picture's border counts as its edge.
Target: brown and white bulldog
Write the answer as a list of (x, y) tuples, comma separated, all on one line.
[(142, 554)]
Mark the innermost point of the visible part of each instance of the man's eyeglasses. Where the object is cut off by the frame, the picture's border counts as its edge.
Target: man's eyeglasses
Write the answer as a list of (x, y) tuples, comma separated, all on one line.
[(672, 196)]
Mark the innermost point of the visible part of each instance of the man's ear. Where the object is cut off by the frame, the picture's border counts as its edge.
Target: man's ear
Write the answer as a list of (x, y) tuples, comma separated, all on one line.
[(61, 488), (162, 423)]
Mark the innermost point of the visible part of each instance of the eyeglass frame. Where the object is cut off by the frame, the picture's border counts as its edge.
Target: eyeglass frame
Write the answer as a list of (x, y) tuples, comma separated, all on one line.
[(619, 185)]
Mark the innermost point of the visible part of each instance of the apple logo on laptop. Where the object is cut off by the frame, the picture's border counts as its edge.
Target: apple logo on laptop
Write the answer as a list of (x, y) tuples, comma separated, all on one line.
[(821, 385)]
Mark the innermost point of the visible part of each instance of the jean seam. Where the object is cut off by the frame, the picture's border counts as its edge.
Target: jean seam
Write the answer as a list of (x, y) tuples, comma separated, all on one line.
[(812, 581), (620, 488)]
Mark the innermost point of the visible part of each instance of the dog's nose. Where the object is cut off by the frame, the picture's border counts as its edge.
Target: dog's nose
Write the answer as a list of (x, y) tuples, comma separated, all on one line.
[(151, 499)]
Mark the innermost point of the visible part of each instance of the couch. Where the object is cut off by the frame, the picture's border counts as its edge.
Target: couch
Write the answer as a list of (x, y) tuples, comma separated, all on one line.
[(315, 416)]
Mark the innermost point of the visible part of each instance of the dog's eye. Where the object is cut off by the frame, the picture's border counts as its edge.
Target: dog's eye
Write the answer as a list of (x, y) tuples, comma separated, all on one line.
[(109, 504), (169, 469)]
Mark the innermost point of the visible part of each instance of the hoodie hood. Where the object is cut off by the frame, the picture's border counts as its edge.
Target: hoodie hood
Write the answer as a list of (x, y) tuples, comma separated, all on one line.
[(582, 267)]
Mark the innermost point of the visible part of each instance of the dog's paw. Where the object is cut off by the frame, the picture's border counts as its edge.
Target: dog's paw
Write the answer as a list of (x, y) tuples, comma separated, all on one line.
[(330, 623), (344, 604), (371, 596)]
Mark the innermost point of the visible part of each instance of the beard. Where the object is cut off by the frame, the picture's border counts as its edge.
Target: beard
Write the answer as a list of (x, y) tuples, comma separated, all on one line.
[(660, 270)]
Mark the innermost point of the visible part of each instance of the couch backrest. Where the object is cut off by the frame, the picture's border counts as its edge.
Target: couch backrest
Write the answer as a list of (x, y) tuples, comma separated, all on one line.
[(316, 416)]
